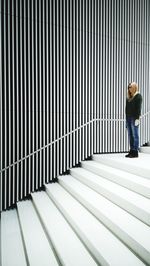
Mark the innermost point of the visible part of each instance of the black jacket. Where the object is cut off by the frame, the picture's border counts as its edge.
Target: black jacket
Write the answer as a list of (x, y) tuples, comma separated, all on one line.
[(133, 106)]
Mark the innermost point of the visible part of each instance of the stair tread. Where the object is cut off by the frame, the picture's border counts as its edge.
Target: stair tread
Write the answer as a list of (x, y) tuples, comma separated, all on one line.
[(126, 226), (92, 232), (139, 166), (137, 199), (103, 206), (67, 245), (41, 253), (122, 174), (135, 203), (12, 250), (133, 182), (145, 149)]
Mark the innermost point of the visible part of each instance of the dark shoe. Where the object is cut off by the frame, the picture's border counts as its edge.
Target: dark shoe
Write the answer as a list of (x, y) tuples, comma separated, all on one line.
[(145, 145), (129, 154), (134, 154)]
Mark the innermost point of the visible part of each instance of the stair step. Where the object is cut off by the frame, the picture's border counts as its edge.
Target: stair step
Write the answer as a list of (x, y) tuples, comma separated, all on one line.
[(126, 227), (105, 247), (126, 199), (12, 250), (67, 245), (145, 149), (138, 166), (133, 182), (38, 249)]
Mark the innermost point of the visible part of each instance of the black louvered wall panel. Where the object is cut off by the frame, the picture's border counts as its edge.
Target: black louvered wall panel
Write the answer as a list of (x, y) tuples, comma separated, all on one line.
[(64, 70)]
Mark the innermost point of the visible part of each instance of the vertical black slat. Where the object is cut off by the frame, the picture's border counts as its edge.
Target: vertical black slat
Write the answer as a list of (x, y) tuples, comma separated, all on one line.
[(76, 77), (17, 88), (86, 56), (43, 63), (121, 77), (6, 114), (64, 85), (54, 85), (47, 92), (51, 84), (29, 88), (81, 32), (44, 41), (117, 76), (40, 92), (82, 76), (58, 86), (74, 80), (46, 141), (148, 88), (100, 77), (147, 67), (19, 103), (89, 80), (95, 92), (110, 73), (111, 108), (26, 136), (97, 115), (137, 39), (92, 104), (140, 62), (21, 99), (33, 90), (126, 63), (106, 84), (37, 87), (61, 89), (13, 88), (2, 110), (71, 81), (109, 77), (67, 83), (2, 122), (120, 110), (10, 108)]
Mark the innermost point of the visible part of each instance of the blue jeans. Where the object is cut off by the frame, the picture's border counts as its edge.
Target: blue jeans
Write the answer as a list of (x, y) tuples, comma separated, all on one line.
[(133, 133)]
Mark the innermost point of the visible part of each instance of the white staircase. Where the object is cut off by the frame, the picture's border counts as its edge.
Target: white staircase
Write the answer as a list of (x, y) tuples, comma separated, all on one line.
[(99, 214)]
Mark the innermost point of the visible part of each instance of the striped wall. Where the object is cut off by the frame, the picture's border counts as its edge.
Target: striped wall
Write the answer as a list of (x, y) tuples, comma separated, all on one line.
[(64, 70)]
